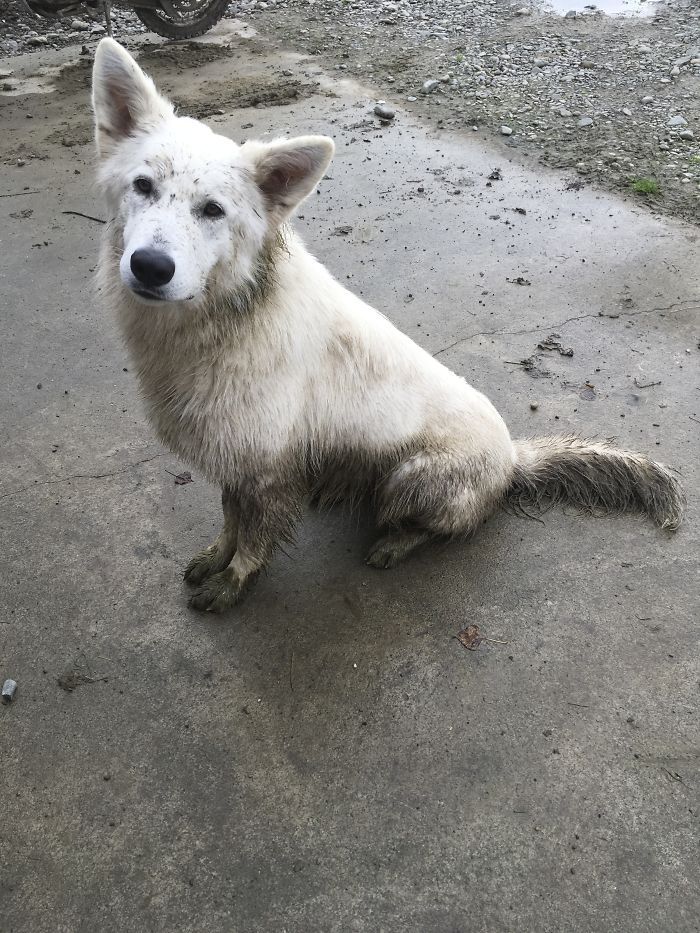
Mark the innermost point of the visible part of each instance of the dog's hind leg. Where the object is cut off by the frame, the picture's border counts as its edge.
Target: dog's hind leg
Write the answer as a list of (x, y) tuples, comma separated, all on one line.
[(219, 554), (436, 494), (269, 511)]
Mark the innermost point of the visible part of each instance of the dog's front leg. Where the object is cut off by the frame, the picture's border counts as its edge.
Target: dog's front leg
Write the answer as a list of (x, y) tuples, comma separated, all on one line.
[(268, 513), (219, 554)]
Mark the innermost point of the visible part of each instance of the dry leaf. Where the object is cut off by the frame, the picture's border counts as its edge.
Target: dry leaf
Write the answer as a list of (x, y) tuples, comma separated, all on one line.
[(470, 637)]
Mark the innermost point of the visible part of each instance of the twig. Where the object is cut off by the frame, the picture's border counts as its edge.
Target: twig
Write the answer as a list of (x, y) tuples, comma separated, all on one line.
[(495, 641), (694, 419), (581, 705), (18, 194), (646, 385), (97, 220), (291, 668)]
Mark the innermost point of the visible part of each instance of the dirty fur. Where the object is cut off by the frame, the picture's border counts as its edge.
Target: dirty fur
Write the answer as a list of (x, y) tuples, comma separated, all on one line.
[(260, 370)]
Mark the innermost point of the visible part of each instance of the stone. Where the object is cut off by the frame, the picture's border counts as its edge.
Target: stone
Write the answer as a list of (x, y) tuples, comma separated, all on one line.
[(80, 25), (506, 130), (678, 120), (429, 86), (647, 99), (37, 40), (687, 134), (384, 112), (585, 121)]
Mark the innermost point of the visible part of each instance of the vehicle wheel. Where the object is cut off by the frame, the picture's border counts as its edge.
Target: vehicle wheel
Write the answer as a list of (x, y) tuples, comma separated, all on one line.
[(198, 16)]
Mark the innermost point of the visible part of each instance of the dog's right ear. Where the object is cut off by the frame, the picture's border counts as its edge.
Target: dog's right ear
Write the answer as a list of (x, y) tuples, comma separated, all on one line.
[(124, 99)]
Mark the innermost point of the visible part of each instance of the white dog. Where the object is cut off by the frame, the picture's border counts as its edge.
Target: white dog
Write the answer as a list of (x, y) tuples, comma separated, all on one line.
[(263, 372)]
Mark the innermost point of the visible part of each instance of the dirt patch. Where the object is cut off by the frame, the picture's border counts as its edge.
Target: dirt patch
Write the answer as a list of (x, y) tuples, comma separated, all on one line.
[(219, 98), (183, 55)]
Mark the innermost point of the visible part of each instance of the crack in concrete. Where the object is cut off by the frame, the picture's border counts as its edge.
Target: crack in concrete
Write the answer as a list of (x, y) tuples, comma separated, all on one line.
[(65, 479), (580, 317)]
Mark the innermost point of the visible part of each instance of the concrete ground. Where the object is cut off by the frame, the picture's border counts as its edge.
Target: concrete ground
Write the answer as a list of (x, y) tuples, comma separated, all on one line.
[(329, 757)]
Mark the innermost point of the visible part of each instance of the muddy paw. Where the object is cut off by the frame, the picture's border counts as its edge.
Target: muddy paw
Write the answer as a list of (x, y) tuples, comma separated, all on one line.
[(206, 563), (218, 593), (384, 554)]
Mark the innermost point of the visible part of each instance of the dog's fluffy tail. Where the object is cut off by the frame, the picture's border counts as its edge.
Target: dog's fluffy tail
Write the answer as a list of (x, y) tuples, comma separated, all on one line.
[(594, 476)]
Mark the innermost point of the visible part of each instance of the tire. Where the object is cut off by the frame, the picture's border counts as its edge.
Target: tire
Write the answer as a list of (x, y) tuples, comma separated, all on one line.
[(203, 14)]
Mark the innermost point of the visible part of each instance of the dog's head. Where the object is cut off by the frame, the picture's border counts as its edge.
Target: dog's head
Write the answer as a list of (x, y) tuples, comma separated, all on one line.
[(192, 210)]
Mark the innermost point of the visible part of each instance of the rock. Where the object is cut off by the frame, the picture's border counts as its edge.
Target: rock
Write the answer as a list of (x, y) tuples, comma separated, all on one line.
[(645, 49), (6, 73), (627, 112), (540, 62), (523, 11), (675, 71), (570, 14), (585, 121), (80, 25), (563, 112), (37, 40), (429, 86), (384, 112), (678, 120), (648, 99), (687, 134), (534, 406), (587, 63), (412, 99), (98, 29), (506, 131)]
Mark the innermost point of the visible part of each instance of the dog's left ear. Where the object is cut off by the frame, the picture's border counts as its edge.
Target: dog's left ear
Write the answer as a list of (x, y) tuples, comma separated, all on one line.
[(288, 170), (124, 99)]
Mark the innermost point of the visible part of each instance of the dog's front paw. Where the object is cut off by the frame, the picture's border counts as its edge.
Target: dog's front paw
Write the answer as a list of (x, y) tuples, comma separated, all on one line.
[(219, 592), (209, 561)]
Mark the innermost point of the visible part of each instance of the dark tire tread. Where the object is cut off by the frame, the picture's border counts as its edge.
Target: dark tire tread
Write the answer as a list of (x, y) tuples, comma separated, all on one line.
[(190, 29)]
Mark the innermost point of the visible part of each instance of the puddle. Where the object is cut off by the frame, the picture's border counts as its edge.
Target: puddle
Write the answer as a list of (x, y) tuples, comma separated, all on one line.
[(609, 7)]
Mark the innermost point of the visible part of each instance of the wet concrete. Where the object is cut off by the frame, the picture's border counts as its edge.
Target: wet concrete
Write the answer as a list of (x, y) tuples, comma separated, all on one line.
[(329, 757)]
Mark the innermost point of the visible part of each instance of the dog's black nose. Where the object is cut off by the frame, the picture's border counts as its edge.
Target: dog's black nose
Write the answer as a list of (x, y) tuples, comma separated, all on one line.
[(151, 267)]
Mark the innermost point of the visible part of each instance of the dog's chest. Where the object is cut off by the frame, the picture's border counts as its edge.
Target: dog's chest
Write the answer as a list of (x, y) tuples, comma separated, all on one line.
[(219, 416)]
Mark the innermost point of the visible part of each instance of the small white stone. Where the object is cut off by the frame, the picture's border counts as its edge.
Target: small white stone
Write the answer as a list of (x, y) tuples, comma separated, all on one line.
[(687, 134), (506, 130), (585, 121)]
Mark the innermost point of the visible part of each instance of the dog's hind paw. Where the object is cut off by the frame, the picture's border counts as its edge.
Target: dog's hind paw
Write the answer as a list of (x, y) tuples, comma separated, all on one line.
[(203, 565), (388, 551), (219, 592)]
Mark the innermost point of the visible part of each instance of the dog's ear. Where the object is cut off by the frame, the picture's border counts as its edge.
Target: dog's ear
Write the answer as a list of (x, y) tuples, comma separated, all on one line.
[(124, 99), (288, 170)]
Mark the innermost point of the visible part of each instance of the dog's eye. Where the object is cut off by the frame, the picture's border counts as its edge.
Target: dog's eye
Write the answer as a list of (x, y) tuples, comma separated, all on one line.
[(212, 209), (143, 185)]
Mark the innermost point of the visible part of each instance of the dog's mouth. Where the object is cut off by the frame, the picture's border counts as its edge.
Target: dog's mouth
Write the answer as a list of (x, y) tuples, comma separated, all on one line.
[(147, 295)]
